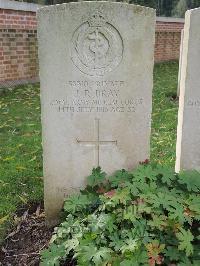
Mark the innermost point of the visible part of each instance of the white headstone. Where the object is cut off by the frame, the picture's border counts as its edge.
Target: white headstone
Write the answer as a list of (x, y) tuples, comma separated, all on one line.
[(180, 62), (188, 132), (96, 69)]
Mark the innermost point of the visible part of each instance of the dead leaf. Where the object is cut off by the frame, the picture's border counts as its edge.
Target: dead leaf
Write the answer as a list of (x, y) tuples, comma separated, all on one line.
[(24, 200), (14, 232), (20, 168), (3, 219), (38, 211)]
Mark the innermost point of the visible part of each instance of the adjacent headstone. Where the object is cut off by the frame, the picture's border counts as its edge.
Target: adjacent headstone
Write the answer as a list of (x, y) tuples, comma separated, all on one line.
[(180, 62), (96, 69), (188, 132)]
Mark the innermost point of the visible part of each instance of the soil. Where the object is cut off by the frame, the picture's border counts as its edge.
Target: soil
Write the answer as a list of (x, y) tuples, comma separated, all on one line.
[(22, 246)]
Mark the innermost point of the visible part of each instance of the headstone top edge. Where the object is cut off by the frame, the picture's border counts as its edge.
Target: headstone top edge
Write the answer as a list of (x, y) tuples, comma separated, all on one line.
[(192, 11), (135, 7)]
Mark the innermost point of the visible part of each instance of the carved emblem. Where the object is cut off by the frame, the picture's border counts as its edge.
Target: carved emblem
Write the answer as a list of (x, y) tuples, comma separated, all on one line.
[(97, 46)]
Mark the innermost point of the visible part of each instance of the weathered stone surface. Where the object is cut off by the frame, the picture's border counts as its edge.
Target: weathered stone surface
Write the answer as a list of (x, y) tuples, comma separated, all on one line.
[(96, 64), (188, 132)]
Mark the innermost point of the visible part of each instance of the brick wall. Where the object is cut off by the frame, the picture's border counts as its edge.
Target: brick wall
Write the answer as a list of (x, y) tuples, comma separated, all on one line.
[(18, 47), (18, 42), (168, 38)]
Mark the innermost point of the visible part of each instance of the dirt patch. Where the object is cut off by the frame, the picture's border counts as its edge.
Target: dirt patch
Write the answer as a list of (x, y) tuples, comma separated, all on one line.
[(23, 245), (172, 96)]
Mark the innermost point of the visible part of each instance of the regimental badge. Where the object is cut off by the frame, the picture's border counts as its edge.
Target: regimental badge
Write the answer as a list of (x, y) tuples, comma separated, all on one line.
[(97, 46)]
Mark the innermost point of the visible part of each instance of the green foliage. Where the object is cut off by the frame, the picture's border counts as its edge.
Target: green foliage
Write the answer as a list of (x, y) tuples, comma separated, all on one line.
[(96, 177), (149, 216), (189, 178), (77, 203), (96, 255), (180, 8), (185, 238), (53, 255)]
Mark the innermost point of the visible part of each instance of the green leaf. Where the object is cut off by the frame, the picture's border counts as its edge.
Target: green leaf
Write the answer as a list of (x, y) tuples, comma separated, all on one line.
[(167, 174), (194, 206), (120, 178), (86, 253), (191, 179), (71, 244), (176, 212), (185, 262), (90, 253), (129, 245), (52, 255), (185, 238), (103, 255), (129, 263), (144, 208), (97, 177), (135, 259), (143, 173), (130, 213), (196, 263), (101, 222), (121, 196), (133, 187), (172, 253), (115, 241), (76, 203), (159, 222), (70, 227)]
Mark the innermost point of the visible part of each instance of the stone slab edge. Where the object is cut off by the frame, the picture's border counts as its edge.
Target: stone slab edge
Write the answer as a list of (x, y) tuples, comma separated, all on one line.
[(21, 6), (170, 19), (49, 7), (183, 74)]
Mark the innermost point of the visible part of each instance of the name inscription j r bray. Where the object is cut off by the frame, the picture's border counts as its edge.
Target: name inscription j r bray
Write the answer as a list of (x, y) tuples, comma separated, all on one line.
[(96, 96)]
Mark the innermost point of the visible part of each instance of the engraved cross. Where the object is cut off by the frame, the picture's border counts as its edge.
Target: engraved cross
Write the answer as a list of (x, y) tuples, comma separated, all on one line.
[(97, 142)]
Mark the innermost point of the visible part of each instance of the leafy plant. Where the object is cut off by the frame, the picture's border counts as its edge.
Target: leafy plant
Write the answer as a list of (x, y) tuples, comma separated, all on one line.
[(149, 216)]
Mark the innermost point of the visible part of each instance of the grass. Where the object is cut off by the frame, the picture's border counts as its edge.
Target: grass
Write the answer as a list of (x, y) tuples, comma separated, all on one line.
[(165, 113), (20, 151), (20, 135)]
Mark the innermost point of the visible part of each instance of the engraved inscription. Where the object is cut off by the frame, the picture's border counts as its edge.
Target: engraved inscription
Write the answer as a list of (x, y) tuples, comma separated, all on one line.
[(67, 191), (96, 46), (193, 103), (97, 142), (96, 97)]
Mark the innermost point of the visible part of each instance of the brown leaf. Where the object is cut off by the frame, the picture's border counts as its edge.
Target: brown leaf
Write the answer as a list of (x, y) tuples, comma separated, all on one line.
[(110, 193), (38, 211)]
